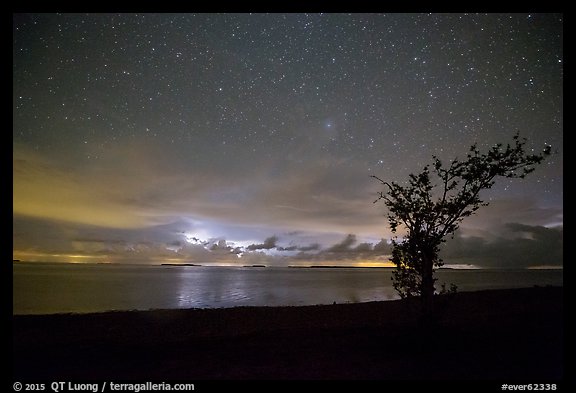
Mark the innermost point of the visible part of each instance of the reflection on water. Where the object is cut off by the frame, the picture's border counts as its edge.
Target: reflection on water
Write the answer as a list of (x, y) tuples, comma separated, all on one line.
[(57, 288), (229, 287)]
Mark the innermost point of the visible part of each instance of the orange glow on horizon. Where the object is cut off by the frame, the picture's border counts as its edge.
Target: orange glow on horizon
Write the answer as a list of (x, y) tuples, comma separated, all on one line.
[(27, 256)]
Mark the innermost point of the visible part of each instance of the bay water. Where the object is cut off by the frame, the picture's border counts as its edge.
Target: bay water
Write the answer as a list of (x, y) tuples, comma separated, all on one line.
[(47, 288)]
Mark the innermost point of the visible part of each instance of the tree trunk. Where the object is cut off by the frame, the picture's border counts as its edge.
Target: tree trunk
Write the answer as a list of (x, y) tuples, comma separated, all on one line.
[(427, 288)]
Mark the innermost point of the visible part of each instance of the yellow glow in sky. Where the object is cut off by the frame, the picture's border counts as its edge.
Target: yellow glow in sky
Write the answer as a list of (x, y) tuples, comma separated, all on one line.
[(43, 191)]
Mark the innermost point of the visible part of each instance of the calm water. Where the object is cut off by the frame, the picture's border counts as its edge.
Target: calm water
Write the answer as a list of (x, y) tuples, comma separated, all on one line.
[(61, 288)]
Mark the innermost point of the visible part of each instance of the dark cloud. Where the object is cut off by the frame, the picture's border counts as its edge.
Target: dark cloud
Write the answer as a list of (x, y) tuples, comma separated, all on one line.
[(268, 244), (363, 247), (289, 248), (344, 246), (383, 247), (223, 247), (311, 247), (490, 220), (517, 246), (345, 251)]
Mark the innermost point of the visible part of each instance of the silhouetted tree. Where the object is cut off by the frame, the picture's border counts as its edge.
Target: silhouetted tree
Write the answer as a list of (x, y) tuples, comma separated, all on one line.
[(429, 211)]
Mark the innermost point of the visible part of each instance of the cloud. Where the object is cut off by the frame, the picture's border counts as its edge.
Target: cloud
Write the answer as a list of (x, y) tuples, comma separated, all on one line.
[(363, 247), (344, 246), (134, 185), (289, 248), (140, 202), (126, 189), (268, 244), (344, 250), (223, 248), (383, 247), (515, 246), (311, 247), (516, 210), (42, 239), (42, 189)]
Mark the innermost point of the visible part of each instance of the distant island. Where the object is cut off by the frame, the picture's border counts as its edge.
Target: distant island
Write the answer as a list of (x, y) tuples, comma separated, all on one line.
[(254, 266), (180, 264)]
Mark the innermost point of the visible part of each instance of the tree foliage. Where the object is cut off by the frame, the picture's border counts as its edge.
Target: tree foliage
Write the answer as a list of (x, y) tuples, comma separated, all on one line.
[(430, 210)]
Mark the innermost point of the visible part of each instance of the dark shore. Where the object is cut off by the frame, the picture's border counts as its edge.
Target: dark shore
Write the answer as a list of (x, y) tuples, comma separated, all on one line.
[(512, 335)]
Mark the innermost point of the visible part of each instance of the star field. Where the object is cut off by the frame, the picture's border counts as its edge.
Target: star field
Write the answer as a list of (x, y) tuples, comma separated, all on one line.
[(276, 121)]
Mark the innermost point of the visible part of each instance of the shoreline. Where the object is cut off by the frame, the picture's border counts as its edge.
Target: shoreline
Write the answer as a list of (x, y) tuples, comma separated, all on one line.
[(511, 333)]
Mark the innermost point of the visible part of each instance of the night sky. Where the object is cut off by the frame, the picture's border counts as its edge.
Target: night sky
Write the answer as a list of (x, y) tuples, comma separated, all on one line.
[(251, 138)]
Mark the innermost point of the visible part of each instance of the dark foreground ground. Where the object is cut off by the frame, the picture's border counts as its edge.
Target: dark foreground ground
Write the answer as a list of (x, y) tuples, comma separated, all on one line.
[(513, 335)]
